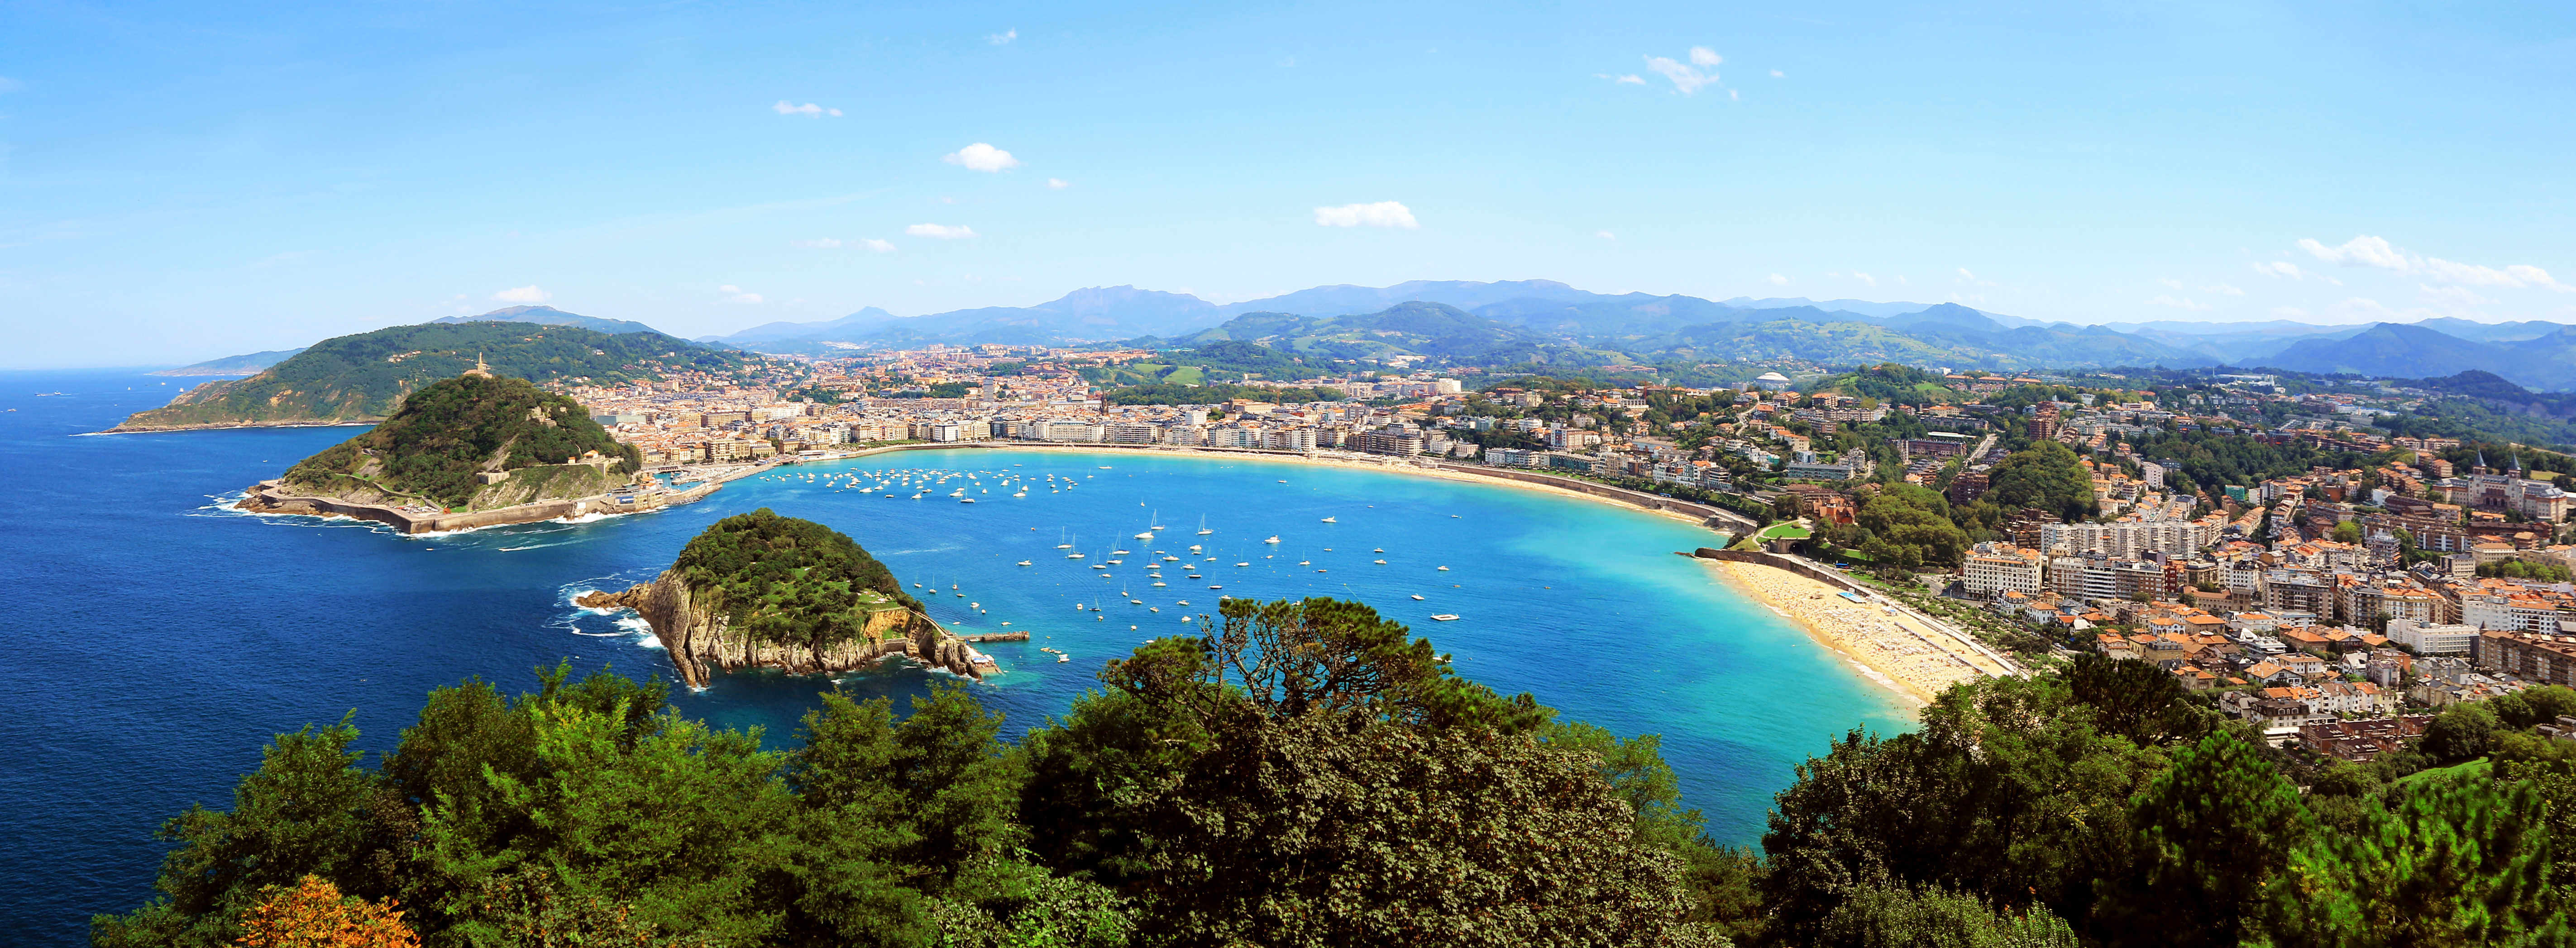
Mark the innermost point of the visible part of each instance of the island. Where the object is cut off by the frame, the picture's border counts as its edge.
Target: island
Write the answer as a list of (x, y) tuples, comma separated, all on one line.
[(759, 590), (476, 450)]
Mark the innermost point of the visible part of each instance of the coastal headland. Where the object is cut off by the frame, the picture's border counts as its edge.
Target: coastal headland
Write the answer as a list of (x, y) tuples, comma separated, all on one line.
[(276, 497)]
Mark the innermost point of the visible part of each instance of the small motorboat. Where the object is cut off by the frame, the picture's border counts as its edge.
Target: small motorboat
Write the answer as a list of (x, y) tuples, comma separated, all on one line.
[(1271, 540), (1332, 520), (1417, 597), (1444, 569), (1444, 617)]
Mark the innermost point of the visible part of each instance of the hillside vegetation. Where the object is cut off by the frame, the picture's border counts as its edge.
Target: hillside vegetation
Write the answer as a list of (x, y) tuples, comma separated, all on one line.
[(782, 579), (363, 377), (444, 435)]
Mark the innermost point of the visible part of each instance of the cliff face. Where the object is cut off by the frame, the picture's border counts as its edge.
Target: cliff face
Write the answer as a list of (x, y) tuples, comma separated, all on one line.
[(701, 642)]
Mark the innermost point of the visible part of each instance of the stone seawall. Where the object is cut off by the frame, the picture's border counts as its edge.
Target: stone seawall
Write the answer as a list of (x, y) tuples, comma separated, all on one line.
[(701, 641), (1790, 563), (1704, 512)]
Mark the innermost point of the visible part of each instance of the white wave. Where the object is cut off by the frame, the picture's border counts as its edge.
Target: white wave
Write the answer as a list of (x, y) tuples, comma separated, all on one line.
[(536, 546)]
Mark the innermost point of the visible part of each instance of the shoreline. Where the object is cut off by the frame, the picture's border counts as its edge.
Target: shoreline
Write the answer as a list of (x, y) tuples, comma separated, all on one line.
[(1367, 462), (1914, 663)]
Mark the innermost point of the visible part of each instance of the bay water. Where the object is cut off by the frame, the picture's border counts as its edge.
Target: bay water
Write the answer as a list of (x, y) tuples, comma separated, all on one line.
[(159, 639)]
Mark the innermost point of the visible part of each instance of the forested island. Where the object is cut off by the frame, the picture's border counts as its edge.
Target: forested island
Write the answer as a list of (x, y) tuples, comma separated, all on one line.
[(759, 590), (476, 442), (1304, 773)]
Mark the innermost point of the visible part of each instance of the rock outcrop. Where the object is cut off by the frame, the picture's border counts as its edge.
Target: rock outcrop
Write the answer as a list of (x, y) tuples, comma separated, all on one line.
[(701, 640)]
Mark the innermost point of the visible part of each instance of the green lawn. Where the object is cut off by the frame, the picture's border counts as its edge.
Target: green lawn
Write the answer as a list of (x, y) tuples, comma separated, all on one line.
[(2477, 769), (1784, 531)]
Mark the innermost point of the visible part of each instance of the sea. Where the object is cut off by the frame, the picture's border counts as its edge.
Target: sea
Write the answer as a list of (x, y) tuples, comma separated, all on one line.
[(158, 639)]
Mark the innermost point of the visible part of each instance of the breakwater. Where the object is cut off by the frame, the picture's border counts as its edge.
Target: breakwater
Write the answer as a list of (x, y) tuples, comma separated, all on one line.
[(273, 497)]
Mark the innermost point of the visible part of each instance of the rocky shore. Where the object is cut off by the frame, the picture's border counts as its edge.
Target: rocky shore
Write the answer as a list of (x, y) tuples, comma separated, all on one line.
[(702, 642)]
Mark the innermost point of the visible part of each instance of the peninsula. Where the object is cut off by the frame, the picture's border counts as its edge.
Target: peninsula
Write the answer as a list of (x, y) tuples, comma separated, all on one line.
[(364, 377), (476, 450), (759, 590)]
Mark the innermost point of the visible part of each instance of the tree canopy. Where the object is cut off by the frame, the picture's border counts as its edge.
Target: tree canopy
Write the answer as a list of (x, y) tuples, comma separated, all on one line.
[(788, 580)]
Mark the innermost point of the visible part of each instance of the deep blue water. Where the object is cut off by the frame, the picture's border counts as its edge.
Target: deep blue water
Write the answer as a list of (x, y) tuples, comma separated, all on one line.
[(158, 640)]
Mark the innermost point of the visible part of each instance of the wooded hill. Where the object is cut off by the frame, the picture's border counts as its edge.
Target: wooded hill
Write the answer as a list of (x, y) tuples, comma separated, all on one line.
[(364, 376), (444, 435), (782, 579)]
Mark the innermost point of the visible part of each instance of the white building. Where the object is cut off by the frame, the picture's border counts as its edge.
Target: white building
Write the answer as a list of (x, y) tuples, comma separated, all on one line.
[(2432, 639), (2001, 567)]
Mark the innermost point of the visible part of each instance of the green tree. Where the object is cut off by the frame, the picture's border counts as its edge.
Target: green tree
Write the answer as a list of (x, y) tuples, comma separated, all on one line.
[(2213, 832), (2450, 863), (2046, 475), (1931, 917), (2461, 732)]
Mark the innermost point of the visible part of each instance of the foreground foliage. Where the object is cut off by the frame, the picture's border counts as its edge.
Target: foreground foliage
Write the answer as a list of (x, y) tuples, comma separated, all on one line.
[(1304, 774)]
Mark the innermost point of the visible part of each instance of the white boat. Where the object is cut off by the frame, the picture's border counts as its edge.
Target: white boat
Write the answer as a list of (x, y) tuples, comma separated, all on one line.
[(1305, 563), (1158, 583), (1378, 550), (1024, 562), (1271, 540), (1064, 658), (1331, 520), (1203, 527), (1379, 562), (1417, 597), (1444, 617), (1147, 535), (1242, 564), (965, 500), (1444, 569), (1073, 556)]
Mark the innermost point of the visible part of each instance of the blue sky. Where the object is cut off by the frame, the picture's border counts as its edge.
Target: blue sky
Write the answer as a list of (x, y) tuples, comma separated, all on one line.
[(178, 182)]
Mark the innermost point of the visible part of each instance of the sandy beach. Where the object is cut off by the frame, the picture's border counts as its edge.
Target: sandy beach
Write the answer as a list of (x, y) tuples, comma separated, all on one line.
[(1895, 649)]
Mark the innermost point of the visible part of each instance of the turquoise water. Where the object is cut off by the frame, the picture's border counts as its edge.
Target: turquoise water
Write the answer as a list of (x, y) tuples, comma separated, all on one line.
[(159, 639)]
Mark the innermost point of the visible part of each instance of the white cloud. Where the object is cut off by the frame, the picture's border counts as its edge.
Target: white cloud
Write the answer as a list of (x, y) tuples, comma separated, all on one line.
[(2361, 251), (2178, 304), (1631, 79), (1380, 214), (1605, 235), (2223, 289), (879, 246), (1704, 56), (1778, 280), (981, 157), (809, 110), (1058, 183), (525, 295), (1002, 38), (2171, 283), (1734, 96), (2376, 252), (1865, 278), (1777, 74), (1686, 80), (735, 294), (941, 231)]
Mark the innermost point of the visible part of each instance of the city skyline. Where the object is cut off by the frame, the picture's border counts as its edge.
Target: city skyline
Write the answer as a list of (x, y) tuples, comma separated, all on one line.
[(179, 188)]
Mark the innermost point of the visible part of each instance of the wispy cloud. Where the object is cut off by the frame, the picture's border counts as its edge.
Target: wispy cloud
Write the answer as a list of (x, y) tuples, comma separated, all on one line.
[(1865, 278), (1971, 278), (1704, 56), (1605, 235), (736, 294), (2222, 289), (2286, 269), (981, 157), (1058, 183), (2162, 300), (528, 295), (1777, 74), (878, 246), (1002, 38), (1380, 214), (941, 231), (1687, 78), (1778, 280), (809, 110), (1631, 79), (2378, 253)]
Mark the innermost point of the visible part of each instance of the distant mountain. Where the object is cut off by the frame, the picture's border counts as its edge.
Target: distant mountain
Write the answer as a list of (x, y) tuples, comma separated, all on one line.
[(2492, 332), (1463, 294), (2390, 349), (550, 316), (1863, 307), (234, 365), (1436, 330), (364, 376), (857, 323)]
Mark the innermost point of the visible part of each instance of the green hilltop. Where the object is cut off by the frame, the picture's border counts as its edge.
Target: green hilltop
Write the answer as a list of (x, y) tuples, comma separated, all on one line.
[(363, 377), (473, 442), (788, 580)]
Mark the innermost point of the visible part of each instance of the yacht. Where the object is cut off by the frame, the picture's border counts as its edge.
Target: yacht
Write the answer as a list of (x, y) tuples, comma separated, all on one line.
[(1379, 562), (1273, 539), (1024, 562), (1242, 564), (1203, 527), (1444, 569), (1417, 597), (1060, 657), (965, 500), (1331, 520), (1444, 617)]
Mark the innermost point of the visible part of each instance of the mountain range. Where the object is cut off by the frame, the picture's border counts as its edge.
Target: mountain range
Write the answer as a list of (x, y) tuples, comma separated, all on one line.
[(1533, 315)]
